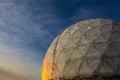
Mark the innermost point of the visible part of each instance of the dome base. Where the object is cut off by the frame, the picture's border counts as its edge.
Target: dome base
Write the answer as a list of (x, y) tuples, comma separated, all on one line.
[(90, 78)]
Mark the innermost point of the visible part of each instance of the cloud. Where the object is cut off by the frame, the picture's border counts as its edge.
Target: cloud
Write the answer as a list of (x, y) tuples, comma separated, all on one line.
[(22, 39), (4, 75), (19, 26), (20, 61)]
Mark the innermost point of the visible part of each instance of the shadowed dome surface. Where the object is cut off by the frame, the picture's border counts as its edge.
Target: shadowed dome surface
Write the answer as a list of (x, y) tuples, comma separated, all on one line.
[(86, 49)]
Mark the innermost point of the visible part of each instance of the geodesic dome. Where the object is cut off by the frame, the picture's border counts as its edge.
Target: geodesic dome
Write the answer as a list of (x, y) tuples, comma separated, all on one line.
[(86, 49)]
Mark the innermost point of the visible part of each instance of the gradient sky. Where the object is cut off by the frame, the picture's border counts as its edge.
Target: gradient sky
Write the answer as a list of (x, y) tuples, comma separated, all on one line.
[(27, 27)]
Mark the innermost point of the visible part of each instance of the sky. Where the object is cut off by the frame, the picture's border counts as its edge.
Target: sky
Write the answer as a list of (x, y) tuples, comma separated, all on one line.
[(27, 27)]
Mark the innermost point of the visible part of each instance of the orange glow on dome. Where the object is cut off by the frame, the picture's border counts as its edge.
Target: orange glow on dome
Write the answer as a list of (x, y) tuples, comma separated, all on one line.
[(43, 74)]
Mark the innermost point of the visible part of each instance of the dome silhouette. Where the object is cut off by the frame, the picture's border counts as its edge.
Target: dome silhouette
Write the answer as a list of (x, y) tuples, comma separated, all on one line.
[(87, 50)]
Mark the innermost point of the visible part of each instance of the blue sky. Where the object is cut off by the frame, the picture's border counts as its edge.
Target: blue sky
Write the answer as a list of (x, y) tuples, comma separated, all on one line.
[(27, 27)]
